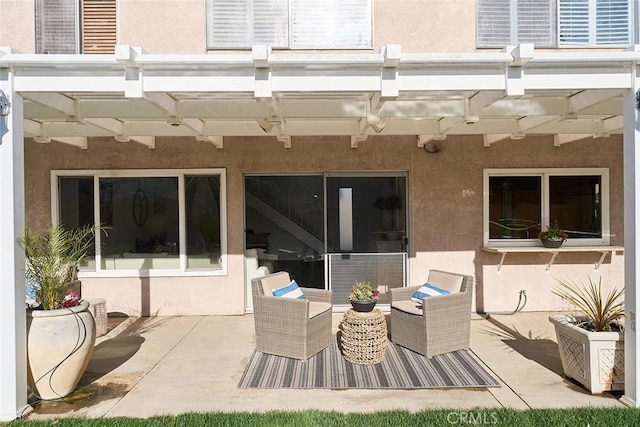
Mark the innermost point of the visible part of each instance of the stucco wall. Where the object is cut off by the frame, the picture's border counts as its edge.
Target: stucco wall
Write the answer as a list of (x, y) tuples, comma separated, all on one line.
[(179, 26), (445, 209), (17, 25)]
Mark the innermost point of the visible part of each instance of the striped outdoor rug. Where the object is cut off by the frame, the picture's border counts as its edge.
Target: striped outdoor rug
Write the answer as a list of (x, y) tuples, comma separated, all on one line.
[(401, 368)]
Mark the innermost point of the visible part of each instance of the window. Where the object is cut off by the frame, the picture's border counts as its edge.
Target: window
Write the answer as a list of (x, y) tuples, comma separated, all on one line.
[(73, 26), (521, 203), (295, 24), (169, 220), (594, 23), (555, 23)]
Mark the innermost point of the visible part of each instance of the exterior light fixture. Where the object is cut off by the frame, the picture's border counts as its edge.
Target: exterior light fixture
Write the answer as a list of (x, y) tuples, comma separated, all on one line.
[(5, 105)]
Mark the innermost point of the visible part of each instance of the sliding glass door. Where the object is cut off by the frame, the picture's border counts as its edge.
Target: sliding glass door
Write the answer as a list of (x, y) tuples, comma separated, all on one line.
[(331, 230), (366, 232)]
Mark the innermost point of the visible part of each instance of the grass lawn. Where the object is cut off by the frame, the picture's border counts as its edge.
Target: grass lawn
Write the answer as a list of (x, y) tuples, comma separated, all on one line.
[(579, 417)]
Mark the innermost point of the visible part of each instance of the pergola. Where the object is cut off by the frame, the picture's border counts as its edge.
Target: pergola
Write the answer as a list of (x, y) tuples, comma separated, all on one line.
[(135, 96)]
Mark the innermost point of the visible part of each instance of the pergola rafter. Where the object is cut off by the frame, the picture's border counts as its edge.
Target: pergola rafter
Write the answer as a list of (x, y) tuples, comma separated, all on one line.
[(516, 92)]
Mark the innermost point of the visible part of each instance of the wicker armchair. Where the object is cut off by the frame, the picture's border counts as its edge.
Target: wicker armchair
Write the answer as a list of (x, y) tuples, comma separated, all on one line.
[(441, 324), (295, 328)]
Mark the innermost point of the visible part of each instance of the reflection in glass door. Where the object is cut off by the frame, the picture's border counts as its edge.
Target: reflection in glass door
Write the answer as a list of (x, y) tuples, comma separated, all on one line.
[(352, 226), (366, 232), (284, 217)]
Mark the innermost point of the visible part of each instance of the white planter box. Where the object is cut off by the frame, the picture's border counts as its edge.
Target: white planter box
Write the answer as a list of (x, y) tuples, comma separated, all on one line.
[(594, 359)]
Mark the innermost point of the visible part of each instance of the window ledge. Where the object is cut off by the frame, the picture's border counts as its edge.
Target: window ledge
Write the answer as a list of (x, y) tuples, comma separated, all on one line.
[(604, 250)]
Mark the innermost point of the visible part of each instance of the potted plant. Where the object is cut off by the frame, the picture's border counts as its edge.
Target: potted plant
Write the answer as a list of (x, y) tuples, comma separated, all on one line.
[(61, 332), (553, 237), (591, 342), (363, 297)]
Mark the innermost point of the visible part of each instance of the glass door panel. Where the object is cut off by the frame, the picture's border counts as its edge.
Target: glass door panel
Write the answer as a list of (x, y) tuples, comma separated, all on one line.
[(366, 233), (285, 225)]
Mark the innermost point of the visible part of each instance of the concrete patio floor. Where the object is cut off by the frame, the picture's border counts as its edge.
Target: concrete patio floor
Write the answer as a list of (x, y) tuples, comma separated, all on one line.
[(170, 365)]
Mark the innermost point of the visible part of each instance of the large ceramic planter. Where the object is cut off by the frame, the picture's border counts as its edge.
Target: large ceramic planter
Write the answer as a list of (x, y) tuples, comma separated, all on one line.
[(594, 359), (59, 346)]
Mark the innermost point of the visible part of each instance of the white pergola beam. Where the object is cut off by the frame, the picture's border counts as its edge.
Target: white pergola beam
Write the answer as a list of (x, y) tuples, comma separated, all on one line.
[(196, 125), (561, 139), (483, 99), (116, 127), (33, 128), (55, 101), (612, 124), (162, 100), (492, 138), (587, 98), (530, 122), (76, 141), (216, 140), (147, 141)]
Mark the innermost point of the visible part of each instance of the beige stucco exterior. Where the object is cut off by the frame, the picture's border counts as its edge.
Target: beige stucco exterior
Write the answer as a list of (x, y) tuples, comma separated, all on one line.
[(179, 26), (445, 188), (445, 210)]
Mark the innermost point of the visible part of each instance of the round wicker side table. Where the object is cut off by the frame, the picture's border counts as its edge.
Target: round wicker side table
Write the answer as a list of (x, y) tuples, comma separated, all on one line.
[(363, 337)]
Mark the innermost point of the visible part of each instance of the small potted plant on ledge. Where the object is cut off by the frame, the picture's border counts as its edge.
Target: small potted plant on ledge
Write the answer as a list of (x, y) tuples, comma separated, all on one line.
[(553, 237), (591, 342), (363, 297)]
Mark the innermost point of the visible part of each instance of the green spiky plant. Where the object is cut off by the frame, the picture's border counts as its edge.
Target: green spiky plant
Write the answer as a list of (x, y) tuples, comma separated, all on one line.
[(52, 259), (597, 312)]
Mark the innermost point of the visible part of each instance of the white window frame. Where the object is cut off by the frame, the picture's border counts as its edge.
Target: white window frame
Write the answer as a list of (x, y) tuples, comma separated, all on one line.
[(545, 173), (291, 44), (556, 43), (593, 20), (183, 270)]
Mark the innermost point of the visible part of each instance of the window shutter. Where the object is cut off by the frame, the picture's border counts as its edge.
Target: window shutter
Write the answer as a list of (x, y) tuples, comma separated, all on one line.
[(243, 23), (536, 22), (336, 24), (56, 26), (493, 23), (574, 22), (612, 22), (98, 26), (505, 22), (595, 22)]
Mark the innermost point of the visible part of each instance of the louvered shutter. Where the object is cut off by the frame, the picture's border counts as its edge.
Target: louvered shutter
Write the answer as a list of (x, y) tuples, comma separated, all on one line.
[(613, 26), (574, 22), (595, 22), (494, 23), (56, 23), (243, 23), (331, 24), (536, 22), (98, 26), (508, 22)]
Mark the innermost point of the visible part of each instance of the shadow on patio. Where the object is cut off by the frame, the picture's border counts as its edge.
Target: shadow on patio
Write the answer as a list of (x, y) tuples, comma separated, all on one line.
[(170, 365)]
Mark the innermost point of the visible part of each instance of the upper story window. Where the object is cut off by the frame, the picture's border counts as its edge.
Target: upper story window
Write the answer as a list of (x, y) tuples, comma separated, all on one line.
[(293, 24), (75, 26), (518, 204), (555, 23), (168, 221)]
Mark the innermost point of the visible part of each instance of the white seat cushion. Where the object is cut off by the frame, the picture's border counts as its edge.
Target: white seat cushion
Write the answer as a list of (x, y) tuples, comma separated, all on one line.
[(316, 308), (408, 306)]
